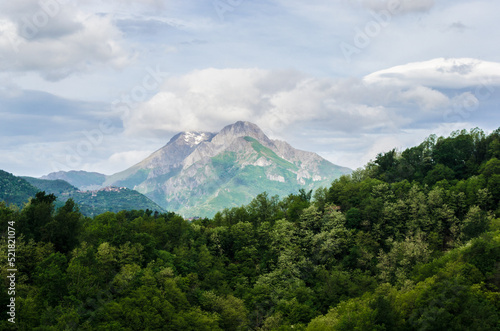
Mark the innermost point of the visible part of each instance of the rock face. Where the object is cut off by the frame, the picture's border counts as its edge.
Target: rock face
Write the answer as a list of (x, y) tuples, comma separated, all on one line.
[(200, 173)]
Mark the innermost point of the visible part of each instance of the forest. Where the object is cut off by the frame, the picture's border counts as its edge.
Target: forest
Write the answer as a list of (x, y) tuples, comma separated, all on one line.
[(409, 242)]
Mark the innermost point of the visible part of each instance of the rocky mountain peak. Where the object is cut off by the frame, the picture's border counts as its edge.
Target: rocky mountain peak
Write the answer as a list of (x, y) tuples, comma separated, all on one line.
[(241, 129)]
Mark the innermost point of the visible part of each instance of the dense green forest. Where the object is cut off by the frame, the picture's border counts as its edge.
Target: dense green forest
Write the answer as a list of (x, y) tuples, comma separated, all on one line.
[(410, 242)]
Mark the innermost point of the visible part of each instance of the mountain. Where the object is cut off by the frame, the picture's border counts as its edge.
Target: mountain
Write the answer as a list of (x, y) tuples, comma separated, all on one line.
[(81, 179), (15, 190), (18, 191), (199, 173), (57, 187)]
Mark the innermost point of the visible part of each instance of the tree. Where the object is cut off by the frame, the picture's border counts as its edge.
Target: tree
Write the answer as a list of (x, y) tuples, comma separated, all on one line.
[(439, 172), (64, 229), (50, 276), (263, 209), (36, 215), (232, 311)]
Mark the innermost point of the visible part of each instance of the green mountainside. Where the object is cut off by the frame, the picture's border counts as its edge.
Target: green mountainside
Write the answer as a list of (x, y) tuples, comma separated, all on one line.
[(15, 190), (233, 184)]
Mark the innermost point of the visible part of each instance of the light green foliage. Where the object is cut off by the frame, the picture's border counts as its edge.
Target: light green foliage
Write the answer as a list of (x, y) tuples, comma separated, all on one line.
[(369, 312), (395, 265), (231, 310)]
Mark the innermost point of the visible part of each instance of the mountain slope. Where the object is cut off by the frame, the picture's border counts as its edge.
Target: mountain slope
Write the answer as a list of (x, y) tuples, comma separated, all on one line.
[(198, 173), (162, 163), (56, 187), (81, 179), (15, 190)]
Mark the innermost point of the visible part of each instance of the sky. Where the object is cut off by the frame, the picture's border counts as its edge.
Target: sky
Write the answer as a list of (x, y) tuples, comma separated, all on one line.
[(99, 85)]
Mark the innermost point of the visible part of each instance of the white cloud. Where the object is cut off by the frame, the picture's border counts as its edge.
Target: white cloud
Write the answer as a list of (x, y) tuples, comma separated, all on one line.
[(200, 100), (458, 26), (425, 98), (282, 103), (209, 99), (440, 73), (336, 116), (56, 39)]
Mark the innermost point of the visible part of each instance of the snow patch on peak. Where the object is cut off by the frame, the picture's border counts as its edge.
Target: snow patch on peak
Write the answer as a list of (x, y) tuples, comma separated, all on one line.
[(195, 138)]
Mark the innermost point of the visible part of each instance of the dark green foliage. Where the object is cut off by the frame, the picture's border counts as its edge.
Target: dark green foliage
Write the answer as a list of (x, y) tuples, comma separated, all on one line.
[(15, 190), (63, 229), (354, 218), (36, 215), (50, 277), (411, 242), (456, 157)]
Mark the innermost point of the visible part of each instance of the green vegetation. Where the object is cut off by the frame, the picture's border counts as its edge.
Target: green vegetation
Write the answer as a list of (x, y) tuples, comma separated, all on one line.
[(264, 151), (15, 190), (410, 242), (56, 187), (232, 184)]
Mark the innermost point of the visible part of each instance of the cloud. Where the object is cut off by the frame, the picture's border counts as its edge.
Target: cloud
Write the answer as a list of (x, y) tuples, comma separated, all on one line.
[(458, 26), (56, 39), (209, 99), (117, 161), (275, 100), (37, 116), (200, 100), (440, 73), (399, 6)]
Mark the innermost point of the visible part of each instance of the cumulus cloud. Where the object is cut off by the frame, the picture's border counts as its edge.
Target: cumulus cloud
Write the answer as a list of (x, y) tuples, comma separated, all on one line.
[(202, 99), (56, 39), (209, 99)]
